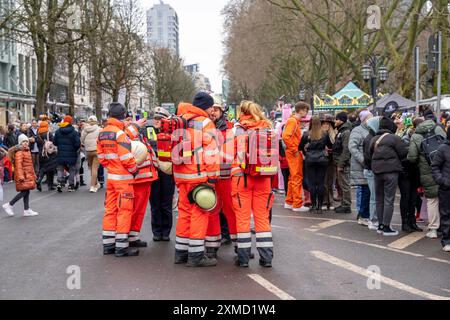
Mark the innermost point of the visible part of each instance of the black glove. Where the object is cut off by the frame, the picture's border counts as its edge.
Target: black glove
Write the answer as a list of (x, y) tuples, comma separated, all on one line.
[(135, 173)]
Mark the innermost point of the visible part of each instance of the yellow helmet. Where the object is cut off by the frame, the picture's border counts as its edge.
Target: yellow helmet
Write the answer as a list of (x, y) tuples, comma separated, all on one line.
[(204, 196)]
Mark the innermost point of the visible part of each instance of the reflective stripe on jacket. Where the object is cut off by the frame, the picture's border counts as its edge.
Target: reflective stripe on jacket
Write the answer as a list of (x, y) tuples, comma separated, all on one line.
[(114, 152)]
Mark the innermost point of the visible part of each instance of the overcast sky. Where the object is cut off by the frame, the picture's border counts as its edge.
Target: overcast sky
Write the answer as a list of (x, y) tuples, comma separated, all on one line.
[(201, 34)]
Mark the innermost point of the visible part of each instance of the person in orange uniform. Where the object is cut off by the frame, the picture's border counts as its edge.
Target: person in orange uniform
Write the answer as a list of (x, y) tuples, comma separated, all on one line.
[(201, 167), (292, 135), (114, 153), (142, 186), (251, 194), (223, 185)]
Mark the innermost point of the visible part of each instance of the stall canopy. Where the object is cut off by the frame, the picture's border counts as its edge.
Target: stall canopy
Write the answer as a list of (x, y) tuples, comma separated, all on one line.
[(349, 97), (396, 100)]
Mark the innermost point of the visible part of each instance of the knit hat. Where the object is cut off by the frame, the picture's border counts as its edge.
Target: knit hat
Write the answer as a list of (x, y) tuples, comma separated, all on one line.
[(43, 127), (92, 119), (68, 119), (342, 116), (364, 115), (203, 101), (429, 115), (117, 111), (161, 113), (23, 138), (374, 124), (387, 124)]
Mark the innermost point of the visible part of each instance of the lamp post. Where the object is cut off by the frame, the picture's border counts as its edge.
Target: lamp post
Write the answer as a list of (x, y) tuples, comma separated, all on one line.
[(372, 71)]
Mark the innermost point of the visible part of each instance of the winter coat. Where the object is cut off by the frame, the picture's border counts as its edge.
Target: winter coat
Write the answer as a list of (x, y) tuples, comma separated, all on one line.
[(89, 136), (2, 166), (356, 148), (388, 155), (49, 163), (24, 174), (30, 134), (441, 165), (366, 148), (416, 156), (316, 149), (341, 154), (67, 140), (10, 139)]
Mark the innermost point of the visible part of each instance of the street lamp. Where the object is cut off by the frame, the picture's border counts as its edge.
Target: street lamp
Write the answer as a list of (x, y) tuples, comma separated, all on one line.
[(372, 71)]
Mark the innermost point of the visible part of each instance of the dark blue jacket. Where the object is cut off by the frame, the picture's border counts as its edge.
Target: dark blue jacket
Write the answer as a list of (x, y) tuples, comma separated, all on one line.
[(68, 142)]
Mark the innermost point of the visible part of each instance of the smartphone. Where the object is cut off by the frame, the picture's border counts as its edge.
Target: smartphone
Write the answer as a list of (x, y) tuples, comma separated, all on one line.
[(138, 117)]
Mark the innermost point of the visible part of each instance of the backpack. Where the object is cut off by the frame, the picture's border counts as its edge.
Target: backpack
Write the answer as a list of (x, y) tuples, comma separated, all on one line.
[(261, 156), (49, 148), (174, 144), (430, 144)]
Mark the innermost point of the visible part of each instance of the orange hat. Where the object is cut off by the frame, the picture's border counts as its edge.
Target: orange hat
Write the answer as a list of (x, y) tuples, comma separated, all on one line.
[(43, 127), (68, 119)]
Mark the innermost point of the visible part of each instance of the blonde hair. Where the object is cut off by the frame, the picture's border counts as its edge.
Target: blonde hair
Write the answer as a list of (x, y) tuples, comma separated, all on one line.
[(250, 108), (316, 132)]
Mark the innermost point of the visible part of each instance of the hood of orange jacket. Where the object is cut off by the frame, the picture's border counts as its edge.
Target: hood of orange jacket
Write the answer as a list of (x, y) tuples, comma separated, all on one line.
[(116, 123), (250, 123)]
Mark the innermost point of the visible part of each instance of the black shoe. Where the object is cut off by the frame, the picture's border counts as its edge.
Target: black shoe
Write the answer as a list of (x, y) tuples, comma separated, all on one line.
[(388, 232), (39, 187), (109, 251), (127, 253), (72, 188), (138, 244), (415, 227), (181, 259), (203, 262), (343, 210), (239, 264), (77, 186), (265, 264), (102, 185), (406, 228), (82, 184), (59, 188), (157, 238), (226, 242), (211, 253), (252, 256), (165, 239)]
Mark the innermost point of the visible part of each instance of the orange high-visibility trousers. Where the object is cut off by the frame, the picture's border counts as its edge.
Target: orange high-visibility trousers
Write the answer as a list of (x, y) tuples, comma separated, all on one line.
[(119, 205), (141, 197), (192, 225), (253, 196), (225, 205), (295, 186)]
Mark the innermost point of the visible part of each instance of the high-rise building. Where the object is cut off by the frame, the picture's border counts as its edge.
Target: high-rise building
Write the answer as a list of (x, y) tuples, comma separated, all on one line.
[(162, 27)]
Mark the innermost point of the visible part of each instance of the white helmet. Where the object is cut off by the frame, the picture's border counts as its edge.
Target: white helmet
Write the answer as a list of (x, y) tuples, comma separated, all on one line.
[(161, 113), (218, 103)]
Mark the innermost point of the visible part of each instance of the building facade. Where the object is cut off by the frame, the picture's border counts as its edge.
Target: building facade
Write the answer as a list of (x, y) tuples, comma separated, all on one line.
[(163, 27)]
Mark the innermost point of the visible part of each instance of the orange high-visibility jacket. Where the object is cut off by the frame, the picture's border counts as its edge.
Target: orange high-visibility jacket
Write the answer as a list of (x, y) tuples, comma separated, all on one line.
[(148, 171), (240, 141), (204, 163), (114, 152), (292, 134)]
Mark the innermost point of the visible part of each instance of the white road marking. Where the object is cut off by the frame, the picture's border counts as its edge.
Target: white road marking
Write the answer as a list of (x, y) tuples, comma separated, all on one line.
[(324, 225), (370, 245), (270, 287), (388, 281), (278, 227), (406, 241), (305, 218), (439, 260)]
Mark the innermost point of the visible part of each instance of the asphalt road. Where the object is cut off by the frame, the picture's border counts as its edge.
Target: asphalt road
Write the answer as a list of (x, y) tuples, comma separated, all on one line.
[(326, 257)]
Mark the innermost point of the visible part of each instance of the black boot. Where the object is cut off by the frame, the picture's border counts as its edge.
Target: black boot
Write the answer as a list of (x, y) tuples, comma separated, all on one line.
[(203, 262), (128, 252), (39, 186), (406, 228), (211, 253), (138, 244)]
